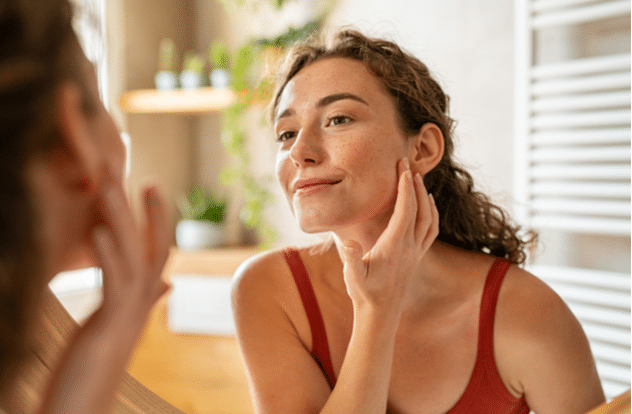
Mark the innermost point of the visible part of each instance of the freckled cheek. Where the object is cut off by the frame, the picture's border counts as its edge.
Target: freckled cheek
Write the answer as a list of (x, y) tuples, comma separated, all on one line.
[(282, 169), (364, 160)]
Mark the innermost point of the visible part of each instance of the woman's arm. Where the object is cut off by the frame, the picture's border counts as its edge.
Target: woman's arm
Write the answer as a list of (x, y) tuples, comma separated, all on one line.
[(90, 370), (541, 343), (282, 373)]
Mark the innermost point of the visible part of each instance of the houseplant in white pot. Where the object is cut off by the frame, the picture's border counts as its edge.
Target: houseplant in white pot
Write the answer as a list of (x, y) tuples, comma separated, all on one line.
[(202, 220), (219, 76), (166, 78), (192, 68)]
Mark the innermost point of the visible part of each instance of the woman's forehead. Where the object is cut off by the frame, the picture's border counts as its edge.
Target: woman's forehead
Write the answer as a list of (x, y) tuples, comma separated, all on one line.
[(331, 76)]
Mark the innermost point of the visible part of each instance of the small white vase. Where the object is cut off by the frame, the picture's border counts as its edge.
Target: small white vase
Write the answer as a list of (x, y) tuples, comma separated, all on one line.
[(195, 234), (190, 80), (165, 80), (219, 78)]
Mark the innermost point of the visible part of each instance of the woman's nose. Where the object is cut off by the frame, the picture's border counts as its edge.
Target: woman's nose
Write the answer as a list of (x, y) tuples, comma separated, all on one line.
[(307, 148)]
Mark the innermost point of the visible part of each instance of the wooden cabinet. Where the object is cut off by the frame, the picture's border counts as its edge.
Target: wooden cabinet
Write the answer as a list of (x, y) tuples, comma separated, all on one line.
[(196, 373)]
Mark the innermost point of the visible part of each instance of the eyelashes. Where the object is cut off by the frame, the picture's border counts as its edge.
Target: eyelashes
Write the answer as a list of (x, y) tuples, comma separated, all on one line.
[(332, 121), (285, 135), (336, 120)]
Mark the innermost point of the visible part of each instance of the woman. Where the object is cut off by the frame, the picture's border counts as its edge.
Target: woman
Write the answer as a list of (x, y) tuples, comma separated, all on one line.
[(418, 305), (63, 205)]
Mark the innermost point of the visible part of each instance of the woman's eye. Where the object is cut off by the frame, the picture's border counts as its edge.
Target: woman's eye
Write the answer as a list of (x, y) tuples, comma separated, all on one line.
[(339, 120), (285, 135)]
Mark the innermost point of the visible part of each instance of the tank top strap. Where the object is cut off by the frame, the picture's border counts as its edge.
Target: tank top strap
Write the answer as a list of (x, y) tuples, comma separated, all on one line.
[(320, 346), (487, 314)]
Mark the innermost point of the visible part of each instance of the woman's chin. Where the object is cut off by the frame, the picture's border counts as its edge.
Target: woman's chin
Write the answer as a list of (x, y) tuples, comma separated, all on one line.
[(313, 228)]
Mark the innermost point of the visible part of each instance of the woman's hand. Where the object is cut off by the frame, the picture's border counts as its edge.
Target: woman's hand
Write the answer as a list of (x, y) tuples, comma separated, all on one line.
[(382, 276), (132, 259), (90, 370)]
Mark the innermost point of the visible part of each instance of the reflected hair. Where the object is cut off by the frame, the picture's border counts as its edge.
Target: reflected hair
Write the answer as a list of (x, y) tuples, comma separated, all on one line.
[(38, 51), (467, 218)]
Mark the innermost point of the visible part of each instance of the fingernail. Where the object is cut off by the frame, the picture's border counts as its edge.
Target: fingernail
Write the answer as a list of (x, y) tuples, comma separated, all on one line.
[(406, 163), (418, 178), (431, 197)]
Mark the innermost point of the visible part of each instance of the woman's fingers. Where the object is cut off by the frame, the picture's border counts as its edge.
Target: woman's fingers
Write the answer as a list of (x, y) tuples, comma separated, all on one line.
[(433, 231), (401, 224), (427, 216), (107, 258), (354, 266), (118, 219), (156, 232), (132, 259)]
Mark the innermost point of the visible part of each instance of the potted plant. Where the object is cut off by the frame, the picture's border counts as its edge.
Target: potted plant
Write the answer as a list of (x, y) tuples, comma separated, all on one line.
[(166, 78), (218, 58), (202, 219), (191, 76)]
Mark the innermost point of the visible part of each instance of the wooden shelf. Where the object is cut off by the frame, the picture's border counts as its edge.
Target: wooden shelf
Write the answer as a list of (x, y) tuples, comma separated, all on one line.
[(178, 101)]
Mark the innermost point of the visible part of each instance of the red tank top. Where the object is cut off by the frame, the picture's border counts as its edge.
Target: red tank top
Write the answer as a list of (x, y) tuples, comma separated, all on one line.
[(485, 393)]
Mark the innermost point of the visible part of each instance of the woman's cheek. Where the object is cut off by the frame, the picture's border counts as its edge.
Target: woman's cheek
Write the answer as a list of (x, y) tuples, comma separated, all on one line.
[(283, 174)]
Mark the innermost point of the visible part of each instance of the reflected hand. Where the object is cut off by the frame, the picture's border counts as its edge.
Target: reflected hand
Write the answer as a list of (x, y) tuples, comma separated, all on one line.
[(132, 259)]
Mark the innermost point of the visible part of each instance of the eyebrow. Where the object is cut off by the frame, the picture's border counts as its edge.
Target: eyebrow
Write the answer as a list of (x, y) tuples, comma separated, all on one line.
[(327, 100)]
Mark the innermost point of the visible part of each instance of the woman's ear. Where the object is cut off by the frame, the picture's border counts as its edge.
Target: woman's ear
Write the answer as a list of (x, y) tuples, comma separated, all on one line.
[(75, 134), (426, 148)]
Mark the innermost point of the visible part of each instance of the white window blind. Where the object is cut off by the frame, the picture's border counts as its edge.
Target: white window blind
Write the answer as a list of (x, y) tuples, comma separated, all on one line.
[(90, 25), (572, 158)]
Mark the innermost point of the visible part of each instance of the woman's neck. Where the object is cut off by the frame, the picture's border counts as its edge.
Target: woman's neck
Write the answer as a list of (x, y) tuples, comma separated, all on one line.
[(366, 232), (431, 281)]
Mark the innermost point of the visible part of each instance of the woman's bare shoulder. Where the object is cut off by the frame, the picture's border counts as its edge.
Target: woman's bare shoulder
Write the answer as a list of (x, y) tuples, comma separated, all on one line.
[(540, 345), (266, 272), (525, 302), (261, 271)]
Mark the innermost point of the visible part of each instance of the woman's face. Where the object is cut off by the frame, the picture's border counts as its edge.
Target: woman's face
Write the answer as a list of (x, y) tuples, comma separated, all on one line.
[(109, 161), (103, 129), (339, 144)]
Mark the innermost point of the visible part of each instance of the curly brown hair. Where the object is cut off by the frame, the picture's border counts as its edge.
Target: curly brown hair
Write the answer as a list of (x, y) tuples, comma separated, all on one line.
[(38, 50), (468, 219)]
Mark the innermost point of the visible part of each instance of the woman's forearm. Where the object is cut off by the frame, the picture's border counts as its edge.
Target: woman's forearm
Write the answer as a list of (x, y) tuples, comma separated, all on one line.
[(89, 372), (365, 376)]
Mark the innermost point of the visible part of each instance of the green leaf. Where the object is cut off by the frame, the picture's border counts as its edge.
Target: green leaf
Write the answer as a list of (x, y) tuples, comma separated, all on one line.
[(193, 62), (292, 35), (200, 204), (249, 216), (230, 176), (243, 61), (167, 55), (218, 55)]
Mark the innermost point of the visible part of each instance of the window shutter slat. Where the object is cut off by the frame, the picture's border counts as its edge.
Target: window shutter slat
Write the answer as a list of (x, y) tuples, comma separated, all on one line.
[(581, 14), (585, 136)]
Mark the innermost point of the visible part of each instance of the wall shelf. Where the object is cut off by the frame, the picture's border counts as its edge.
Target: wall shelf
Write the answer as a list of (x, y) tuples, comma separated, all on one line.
[(178, 101)]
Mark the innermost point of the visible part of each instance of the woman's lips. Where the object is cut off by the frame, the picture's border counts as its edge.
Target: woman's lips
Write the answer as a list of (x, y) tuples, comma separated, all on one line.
[(313, 186)]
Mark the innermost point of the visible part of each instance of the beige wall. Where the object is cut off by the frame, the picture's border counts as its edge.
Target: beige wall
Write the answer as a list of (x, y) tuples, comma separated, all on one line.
[(162, 146)]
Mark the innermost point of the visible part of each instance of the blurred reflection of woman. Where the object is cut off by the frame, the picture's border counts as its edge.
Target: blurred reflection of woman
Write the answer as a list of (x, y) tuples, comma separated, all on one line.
[(418, 305), (62, 204)]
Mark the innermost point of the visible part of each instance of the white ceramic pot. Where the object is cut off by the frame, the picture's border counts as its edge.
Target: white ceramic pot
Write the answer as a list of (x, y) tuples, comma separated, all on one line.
[(165, 81), (219, 78), (190, 80), (194, 234)]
